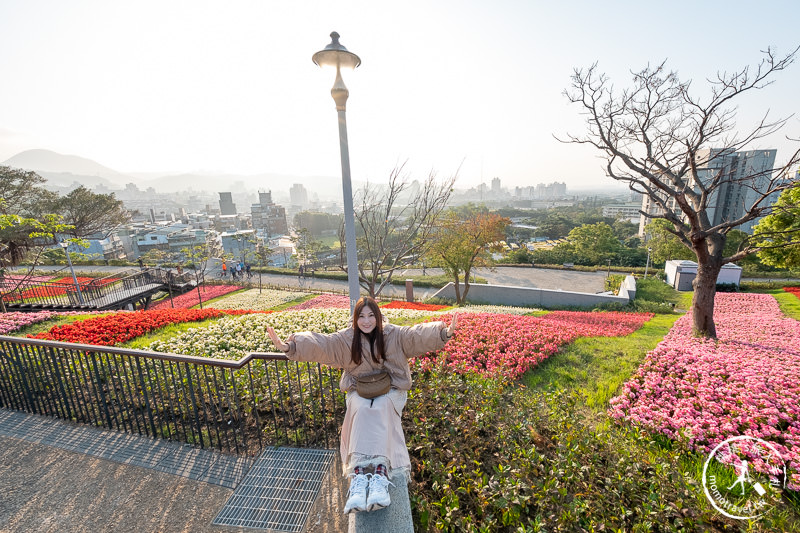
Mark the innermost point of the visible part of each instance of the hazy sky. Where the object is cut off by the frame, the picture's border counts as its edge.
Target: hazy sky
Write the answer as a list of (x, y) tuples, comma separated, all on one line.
[(171, 86)]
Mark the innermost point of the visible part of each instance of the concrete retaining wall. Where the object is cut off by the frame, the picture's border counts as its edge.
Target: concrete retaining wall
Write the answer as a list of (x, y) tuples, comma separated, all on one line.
[(543, 298)]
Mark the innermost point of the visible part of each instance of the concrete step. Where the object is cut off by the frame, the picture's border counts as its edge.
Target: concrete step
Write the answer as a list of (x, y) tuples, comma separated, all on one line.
[(393, 519)]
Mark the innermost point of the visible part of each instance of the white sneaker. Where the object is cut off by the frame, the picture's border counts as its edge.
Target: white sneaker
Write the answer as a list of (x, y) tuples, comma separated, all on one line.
[(378, 492), (357, 500)]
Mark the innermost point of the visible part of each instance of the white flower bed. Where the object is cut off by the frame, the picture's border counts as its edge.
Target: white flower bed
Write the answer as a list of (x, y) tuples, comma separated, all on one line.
[(255, 300), (233, 337)]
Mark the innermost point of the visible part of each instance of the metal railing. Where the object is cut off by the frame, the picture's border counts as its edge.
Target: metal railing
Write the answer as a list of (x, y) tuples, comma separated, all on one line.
[(238, 407), (107, 290)]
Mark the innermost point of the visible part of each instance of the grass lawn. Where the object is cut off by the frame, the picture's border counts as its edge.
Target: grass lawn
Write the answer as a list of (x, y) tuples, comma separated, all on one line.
[(788, 302), (596, 367), (165, 333)]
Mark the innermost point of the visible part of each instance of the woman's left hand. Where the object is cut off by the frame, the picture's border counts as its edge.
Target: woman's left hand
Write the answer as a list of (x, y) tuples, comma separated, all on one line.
[(453, 323)]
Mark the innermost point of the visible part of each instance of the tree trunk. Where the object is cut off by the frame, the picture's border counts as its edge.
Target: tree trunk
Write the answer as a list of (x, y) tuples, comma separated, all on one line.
[(705, 288), (458, 290), (466, 286)]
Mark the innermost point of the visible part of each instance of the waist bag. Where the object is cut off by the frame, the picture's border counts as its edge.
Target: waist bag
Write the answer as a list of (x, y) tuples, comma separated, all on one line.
[(373, 385)]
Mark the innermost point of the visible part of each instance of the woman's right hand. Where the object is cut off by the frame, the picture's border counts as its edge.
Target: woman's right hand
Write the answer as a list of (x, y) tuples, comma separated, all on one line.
[(279, 344)]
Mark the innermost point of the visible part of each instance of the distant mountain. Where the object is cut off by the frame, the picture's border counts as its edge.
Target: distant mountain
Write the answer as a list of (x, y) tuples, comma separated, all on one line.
[(52, 162), (63, 171)]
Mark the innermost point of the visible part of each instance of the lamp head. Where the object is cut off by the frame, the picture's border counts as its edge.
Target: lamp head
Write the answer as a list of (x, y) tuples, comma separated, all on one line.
[(63, 244), (336, 55)]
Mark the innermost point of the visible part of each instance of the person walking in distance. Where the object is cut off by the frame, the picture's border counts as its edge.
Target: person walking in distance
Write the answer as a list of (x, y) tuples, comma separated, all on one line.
[(372, 434), (224, 269)]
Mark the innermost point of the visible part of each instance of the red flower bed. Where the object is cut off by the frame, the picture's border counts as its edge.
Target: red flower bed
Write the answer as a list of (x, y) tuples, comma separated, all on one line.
[(117, 328), (793, 290), (510, 345), (190, 299), (396, 304), (61, 286)]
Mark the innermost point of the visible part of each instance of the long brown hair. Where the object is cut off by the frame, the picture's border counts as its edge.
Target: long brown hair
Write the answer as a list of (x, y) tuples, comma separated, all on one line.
[(375, 336)]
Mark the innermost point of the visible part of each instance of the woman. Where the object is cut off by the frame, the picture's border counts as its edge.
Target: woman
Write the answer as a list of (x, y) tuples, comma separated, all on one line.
[(372, 433)]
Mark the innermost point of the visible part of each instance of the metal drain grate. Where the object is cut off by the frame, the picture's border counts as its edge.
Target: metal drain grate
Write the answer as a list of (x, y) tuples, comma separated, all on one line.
[(278, 491)]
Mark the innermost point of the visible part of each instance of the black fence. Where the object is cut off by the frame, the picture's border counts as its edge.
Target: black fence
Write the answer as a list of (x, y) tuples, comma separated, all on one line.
[(106, 292), (237, 407)]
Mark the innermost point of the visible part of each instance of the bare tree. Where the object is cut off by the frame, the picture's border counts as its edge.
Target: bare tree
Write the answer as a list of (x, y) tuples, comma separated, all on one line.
[(393, 224), (675, 148)]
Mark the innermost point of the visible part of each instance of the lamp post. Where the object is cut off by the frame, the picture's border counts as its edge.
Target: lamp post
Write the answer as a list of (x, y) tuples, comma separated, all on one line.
[(336, 55), (64, 245), (647, 264)]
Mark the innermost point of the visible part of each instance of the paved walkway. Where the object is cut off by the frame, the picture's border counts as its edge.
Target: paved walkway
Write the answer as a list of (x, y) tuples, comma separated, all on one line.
[(541, 278), (57, 476)]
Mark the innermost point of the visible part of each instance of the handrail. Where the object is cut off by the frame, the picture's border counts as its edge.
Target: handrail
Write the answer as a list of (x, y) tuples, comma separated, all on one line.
[(237, 406), (104, 292), (162, 356)]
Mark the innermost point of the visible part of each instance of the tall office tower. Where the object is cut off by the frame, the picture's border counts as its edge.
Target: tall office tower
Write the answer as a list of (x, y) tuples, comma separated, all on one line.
[(298, 196), (496, 188), (743, 177), (226, 205)]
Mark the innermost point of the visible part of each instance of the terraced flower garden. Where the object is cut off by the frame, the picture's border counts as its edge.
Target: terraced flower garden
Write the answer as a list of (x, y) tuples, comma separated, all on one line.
[(518, 459)]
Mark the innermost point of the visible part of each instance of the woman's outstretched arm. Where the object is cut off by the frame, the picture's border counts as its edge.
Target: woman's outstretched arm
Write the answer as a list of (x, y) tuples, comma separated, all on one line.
[(327, 348)]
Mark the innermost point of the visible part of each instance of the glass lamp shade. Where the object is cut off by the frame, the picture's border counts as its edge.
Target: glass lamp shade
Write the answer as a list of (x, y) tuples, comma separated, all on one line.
[(336, 55)]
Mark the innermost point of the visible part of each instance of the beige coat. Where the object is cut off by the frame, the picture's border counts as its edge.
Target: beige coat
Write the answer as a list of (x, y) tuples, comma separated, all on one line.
[(372, 432), (401, 343)]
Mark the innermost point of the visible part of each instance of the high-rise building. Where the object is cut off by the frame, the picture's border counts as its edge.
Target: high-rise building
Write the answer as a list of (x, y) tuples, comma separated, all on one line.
[(226, 205), (298, 196), (742, 176), (268, 216), (496, 188)]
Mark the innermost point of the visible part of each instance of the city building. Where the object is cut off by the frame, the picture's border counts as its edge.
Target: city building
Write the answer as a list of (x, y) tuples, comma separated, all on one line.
[(268, 216), (242, 245), (626, 211), (298, 196), (226, 205), (743, 177)]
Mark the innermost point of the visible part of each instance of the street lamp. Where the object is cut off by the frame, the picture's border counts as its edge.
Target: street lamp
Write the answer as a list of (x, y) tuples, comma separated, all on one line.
[(336, 55), (647, 264), (64, 245)]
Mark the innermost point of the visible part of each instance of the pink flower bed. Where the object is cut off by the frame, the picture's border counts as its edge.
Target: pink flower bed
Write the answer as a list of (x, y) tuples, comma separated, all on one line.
[(324, 301), (510, 345), (701, 392), (190, 299), (10, 322), (11, 280)]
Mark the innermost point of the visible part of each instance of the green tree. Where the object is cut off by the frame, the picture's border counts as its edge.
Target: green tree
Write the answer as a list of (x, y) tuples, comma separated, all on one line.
[(463, 241), (777, 235), (664, 243), (594, 243), (90, 213), (23, 194), (665, 142), (21, 236)]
